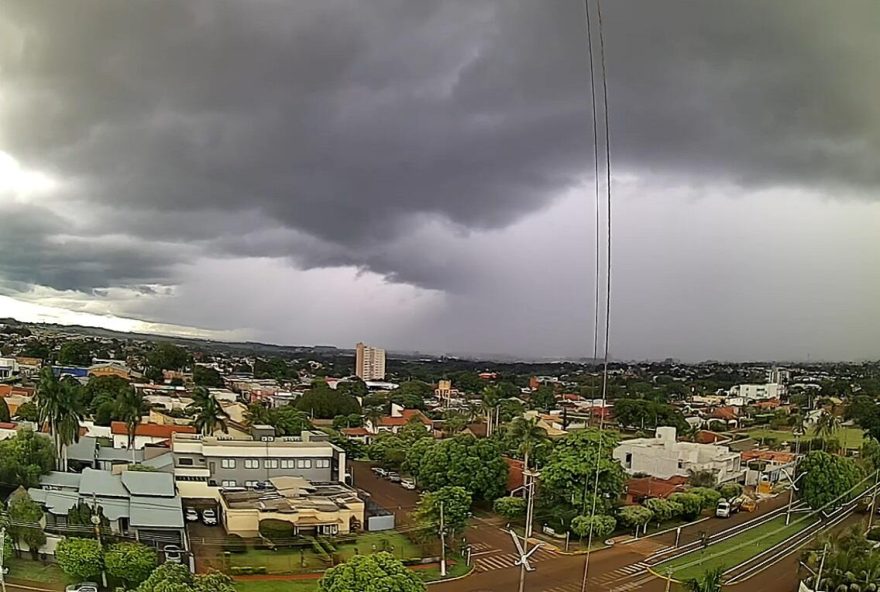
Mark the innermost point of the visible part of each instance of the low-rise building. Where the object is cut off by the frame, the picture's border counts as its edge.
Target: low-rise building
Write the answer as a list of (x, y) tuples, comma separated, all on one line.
[(757, 392), (203, 465), (313, 508), (664, 457), (398, 418), (147, 433), (8, 367), (140, 505)]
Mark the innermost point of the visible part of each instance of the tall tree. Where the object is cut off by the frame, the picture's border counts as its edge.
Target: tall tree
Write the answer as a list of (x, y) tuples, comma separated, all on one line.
[(527, 435), (58, 407), (130, 407), (827, 478), (75, 353), (456, 504), (827, 425), (379, 572), (209, 414)]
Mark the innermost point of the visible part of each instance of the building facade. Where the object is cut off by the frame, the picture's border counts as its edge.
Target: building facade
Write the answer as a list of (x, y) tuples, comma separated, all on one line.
[(203, 465), (369, 362), (664, 457)]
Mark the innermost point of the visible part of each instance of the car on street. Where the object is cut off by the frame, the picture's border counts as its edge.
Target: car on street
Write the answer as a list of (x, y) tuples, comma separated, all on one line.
[(209, 517), (380, 471), (82, 587), (722, 510), (394, 477), (407, 483), (173, 554), (192, 515)]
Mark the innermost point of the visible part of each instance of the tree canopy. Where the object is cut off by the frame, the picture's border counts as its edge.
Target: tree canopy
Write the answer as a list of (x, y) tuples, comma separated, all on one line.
[(25, 457), (379, 572), (476, 465), (322, 402), (287, 420), (167, 356), (645, 413), (174, 577), (456, 502), (80, 558), (75, 353), (207, 376), (827, 477)]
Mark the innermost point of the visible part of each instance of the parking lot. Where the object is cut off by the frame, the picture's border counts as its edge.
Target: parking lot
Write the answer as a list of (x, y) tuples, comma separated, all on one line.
[(391, 496)]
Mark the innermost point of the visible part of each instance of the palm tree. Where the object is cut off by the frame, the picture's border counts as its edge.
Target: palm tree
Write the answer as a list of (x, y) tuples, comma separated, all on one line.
[(827, 426), (528, 434), (209, 415), (491, 398), (130, 408), (58, 407), (373, 415), (709, 582)]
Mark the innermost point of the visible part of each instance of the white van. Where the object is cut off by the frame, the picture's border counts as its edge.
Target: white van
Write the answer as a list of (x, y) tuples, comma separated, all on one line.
[(723, 509)]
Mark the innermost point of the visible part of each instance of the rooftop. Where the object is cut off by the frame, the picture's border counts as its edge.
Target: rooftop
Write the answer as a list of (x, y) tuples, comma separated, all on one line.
[(292, 495), (151, 430)]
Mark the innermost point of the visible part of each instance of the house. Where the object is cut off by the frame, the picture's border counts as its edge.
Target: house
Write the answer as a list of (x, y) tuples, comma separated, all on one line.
[(767, 466), (111, 368), (8, 367), (146, 433), (140, 505), (314, 508), (204, 465), (28, 366), (362, 435), (551, 423), (664, 457), (639, 489), (398, 418)]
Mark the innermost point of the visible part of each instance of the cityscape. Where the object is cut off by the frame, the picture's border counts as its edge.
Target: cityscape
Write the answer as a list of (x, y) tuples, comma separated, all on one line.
[(439, 296)]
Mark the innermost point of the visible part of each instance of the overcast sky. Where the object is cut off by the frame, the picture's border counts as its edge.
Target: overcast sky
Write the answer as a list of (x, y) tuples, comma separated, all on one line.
[(419, 175)]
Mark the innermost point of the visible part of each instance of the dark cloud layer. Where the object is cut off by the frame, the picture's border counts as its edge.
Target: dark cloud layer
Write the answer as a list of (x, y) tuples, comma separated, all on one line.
[(333, 132)]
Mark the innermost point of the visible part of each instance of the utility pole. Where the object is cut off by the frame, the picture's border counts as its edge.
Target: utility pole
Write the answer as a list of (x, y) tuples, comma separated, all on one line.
[(96, 520), (529, 483), (873, 507), (821, 565), (2, 560), (442, 544)]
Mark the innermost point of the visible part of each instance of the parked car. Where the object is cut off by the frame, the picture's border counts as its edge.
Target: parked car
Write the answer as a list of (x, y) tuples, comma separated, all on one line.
[(82, 587), (407, 483), (394, 477), (173, 554), (192, 515), (722, 510), (209, 517), (380, 471)]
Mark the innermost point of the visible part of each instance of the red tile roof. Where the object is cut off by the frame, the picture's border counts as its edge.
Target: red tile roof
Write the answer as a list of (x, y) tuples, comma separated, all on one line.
[(654, 487), (152, 430), (708, 437), (724, 413), (355, 431), (405, 416), (769, 455), (7, 425)]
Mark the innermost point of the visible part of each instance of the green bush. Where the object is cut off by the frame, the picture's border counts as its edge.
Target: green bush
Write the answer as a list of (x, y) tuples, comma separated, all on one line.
[(277, 531), (691, 504), (80, 558), (130, 562), (730, 490), (234, 544), (602, 526), (510, 507), (663, 509), (708, 497), (874, 534)]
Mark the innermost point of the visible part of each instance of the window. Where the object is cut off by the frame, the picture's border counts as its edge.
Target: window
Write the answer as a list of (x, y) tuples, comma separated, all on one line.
[(288, 463), (322, 463), (251, 463), (271, 463), (185, 462), (228, 483), (227, 463), (304, 463), (629, 460), (250, 483)]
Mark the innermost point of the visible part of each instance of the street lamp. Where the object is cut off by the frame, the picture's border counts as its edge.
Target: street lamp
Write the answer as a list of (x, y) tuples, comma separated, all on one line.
[(96, 520)]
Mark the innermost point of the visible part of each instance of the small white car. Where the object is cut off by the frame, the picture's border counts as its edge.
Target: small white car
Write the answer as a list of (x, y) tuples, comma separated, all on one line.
[(723, 509), (380, 471), (82, 587), (192, 515), (407, 483), (173, 554), (209, 517)]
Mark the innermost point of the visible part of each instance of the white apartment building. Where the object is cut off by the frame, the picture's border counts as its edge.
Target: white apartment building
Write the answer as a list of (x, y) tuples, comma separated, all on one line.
[(9, 366), (369, 362), (757, 392), (664, 457)]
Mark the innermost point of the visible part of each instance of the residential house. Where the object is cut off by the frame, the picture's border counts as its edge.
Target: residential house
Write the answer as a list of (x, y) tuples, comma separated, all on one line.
[(140, 505), (314, 508), (8, 368), (361, 435), (639, 489), (203, 465), (28, 366), (767, 466), (398, 418), (664, 457), (147, 433), (110, 368)]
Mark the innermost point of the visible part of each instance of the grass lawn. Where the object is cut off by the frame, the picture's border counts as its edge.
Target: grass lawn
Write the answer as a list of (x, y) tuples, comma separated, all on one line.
[(851, 437), (734, 550), (35, 571), (277, 586), (285, 561)]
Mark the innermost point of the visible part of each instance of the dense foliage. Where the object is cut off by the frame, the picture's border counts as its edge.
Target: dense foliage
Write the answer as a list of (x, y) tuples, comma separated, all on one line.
[(600, 524), (130, 563), (25, 457), (471, 463), (827, 478), (510, 507), (379, 572), (174, 577), (80, 559), (322, 402)]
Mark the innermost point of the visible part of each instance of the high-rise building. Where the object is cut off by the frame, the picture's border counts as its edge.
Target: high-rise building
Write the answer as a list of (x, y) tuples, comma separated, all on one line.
[(369, 362)]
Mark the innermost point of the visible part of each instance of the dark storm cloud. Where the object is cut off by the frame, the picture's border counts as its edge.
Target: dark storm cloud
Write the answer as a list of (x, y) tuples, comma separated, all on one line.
[(327, 131)]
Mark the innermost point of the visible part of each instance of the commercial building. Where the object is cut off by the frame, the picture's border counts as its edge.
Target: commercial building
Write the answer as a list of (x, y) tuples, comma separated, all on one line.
[(203, 465), (369, 362), (663, 457), (757, 392), (313, 508), (141, 505)]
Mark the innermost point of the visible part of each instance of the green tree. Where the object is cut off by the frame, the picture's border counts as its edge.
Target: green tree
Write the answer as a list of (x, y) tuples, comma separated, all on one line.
[(476, 465), (703, 478), (634, 516), (288, 421), (174, 577), (543, 398), (510, 507), (25, 457), (827, 426), (456, 503), (322, 402), (379, 572), (454, 422), (130, 563), (467, 382), (207, 376), (412, 394), (600, 525), (80, 559), (352, 420), (526, 435), (58, 406), (4, 410), (130, 408), (209, 415), (710, 581), (691, 504), (571, 468), (827, 477), (35, 348), (25, 515), (708, 497), (730, 490), (663, 510), (870, 452), (167, 356), (75, 353), (27, 412)]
